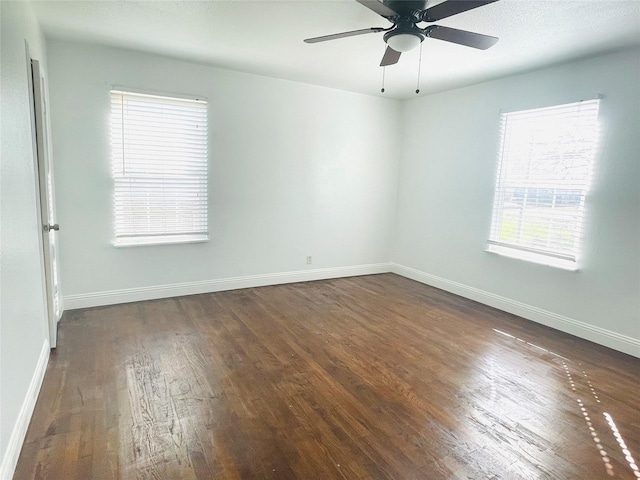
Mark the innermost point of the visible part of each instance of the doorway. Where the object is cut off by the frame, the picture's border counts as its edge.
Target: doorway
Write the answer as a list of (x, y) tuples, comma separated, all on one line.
[(45, 194)]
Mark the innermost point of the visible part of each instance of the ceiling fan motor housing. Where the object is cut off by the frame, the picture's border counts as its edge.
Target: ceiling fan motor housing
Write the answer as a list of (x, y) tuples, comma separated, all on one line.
[(405, 36), (407, 7)]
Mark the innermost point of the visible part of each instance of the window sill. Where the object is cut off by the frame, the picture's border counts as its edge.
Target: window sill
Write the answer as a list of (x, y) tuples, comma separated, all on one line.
[(168, 240), (532, 257)]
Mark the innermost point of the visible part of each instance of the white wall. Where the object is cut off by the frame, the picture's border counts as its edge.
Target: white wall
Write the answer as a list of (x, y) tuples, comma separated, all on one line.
[(296, 170), (22, 311), (446, 183), (299, 170)]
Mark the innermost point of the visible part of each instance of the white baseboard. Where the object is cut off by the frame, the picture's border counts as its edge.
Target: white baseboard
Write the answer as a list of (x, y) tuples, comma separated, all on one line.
[(10, 459), (580, 329), (72, 302)]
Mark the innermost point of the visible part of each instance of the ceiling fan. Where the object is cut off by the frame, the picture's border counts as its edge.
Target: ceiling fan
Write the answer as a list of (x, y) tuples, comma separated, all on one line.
[(405, 34)]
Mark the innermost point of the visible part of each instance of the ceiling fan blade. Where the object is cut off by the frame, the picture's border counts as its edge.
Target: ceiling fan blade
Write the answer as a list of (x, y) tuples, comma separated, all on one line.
[(449, 8), (462, 37), (378, 7), (390, 57), (352, 33)]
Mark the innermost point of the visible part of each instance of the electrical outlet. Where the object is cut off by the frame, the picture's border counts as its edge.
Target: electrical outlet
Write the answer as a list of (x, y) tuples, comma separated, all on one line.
[(309, 260)]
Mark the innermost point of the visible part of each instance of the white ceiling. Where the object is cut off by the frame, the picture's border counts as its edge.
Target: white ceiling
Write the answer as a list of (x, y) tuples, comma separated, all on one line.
[(265, 37)]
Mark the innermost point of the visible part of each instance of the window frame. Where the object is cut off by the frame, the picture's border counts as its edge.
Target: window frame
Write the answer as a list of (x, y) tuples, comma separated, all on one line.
[(549, 256), (167, 237)]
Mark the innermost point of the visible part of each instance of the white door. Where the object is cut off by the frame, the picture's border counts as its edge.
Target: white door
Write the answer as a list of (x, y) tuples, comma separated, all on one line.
[(47, 206)]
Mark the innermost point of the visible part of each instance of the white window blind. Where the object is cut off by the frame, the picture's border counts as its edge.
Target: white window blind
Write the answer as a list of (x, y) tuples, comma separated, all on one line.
[(159, 160), (544, 169)]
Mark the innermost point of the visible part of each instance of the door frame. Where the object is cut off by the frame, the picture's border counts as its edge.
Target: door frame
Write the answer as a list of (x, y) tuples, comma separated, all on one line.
[(39, 144)]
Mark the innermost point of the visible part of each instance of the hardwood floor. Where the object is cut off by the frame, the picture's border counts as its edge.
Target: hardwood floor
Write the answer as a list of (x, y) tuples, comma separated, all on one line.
[(372, 377)]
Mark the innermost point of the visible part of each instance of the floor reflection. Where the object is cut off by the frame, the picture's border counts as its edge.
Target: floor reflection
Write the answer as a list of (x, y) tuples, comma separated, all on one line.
[(623, 446), (528, 343), (589, 421)]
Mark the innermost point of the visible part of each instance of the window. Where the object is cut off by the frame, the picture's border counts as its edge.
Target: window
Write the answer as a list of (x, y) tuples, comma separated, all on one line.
[(544, 168), (159, 161)]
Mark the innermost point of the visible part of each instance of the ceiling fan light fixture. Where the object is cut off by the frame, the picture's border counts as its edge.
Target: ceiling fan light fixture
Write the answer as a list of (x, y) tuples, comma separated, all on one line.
[(403, 42)]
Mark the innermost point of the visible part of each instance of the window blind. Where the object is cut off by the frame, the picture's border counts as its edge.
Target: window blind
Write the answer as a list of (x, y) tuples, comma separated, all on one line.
[(159, 161), (544, 168)]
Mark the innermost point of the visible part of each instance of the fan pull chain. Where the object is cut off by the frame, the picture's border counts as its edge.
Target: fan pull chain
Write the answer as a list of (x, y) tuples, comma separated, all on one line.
[(419, 68), (383, 70)]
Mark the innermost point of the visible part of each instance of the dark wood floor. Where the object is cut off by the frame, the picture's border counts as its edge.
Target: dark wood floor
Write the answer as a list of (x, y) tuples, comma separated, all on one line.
[(363, 378)]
